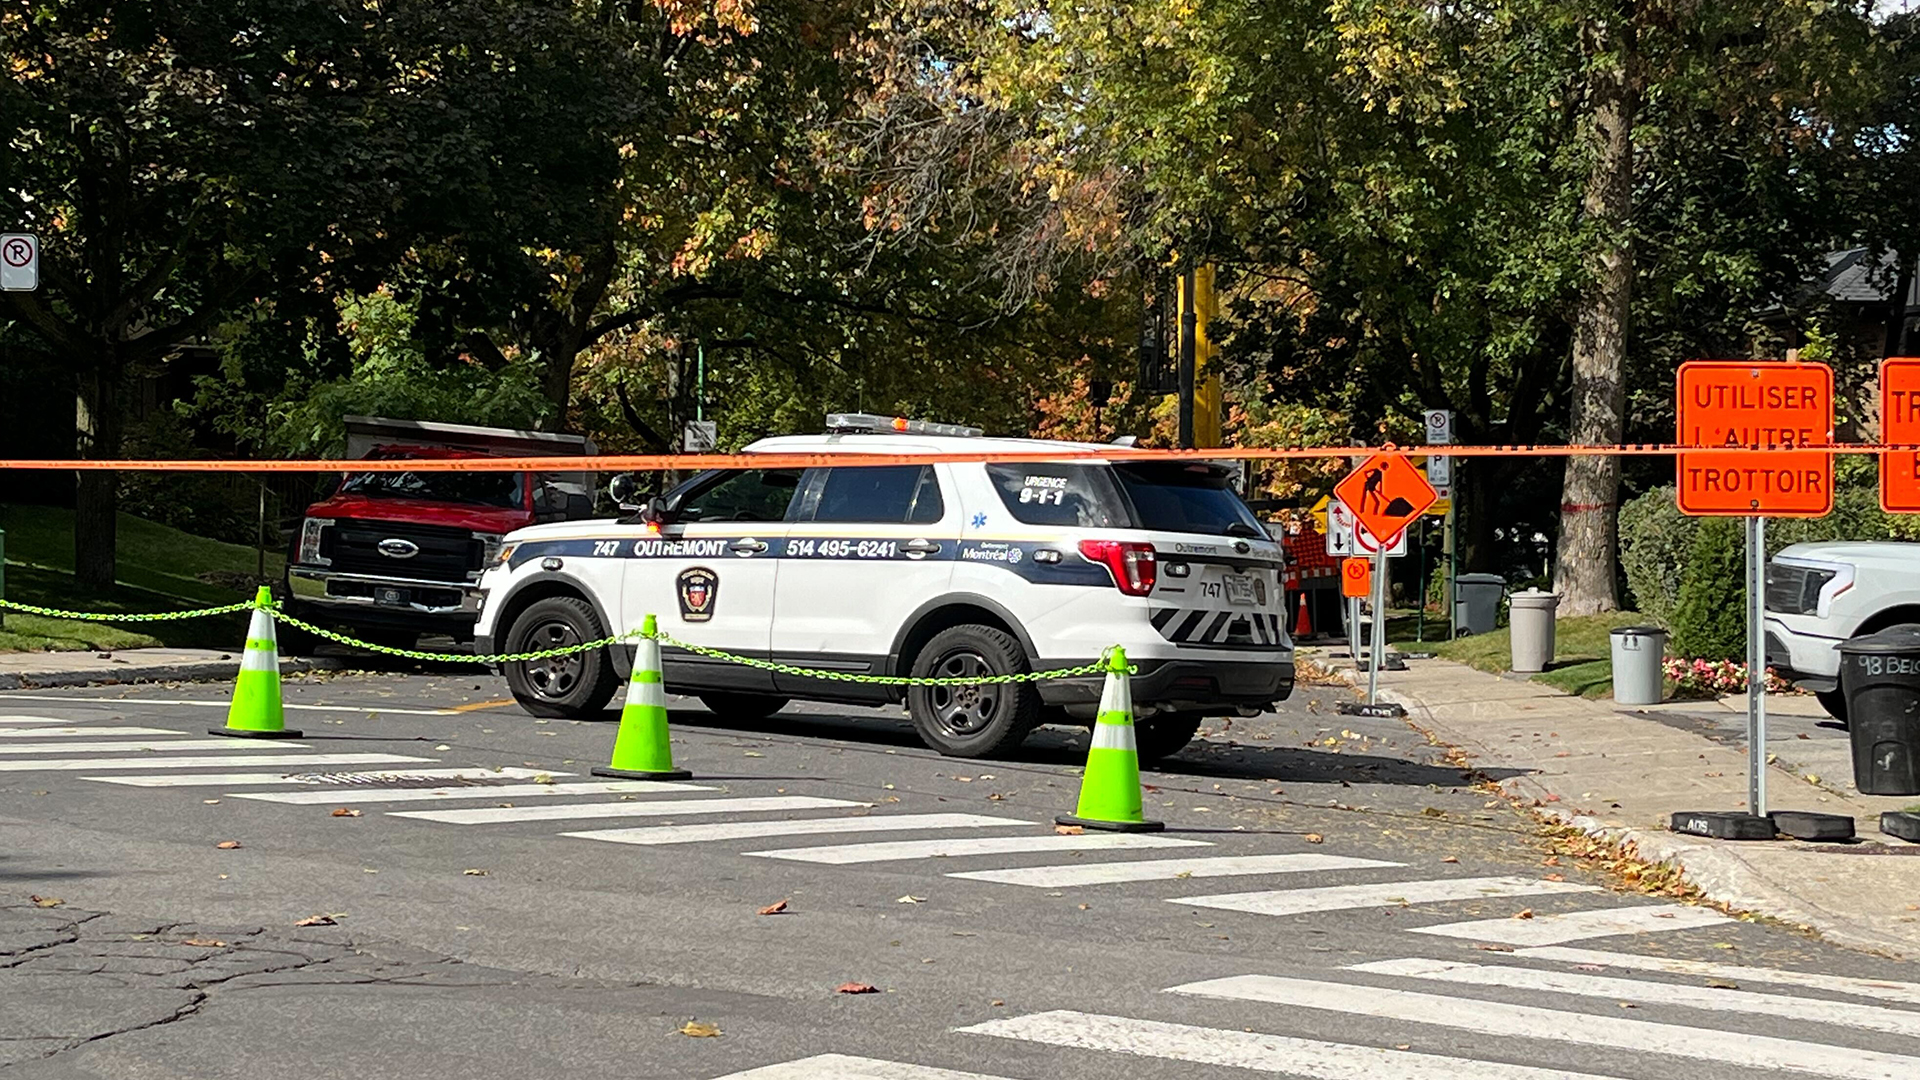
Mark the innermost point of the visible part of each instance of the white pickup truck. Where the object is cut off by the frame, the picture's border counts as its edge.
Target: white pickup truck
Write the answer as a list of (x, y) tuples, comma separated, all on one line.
[(1819, 595)]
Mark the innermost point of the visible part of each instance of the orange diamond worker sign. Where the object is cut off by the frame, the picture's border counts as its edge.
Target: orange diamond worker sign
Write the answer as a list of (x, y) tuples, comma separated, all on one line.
[(1386, 495)]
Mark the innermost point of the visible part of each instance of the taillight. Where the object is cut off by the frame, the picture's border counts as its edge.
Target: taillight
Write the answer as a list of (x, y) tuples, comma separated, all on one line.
[(311, 531), (1131, 564)]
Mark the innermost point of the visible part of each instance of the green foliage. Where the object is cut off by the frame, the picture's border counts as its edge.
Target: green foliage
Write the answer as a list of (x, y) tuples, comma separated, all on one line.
[(392, 377), (1655, 539), (1710, 620)]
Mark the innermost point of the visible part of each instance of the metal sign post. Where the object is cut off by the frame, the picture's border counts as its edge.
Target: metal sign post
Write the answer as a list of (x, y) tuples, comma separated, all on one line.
[(1377, 655), (1756, 666)]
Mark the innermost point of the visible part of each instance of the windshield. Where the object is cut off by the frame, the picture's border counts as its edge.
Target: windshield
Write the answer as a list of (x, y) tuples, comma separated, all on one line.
[(472, 488), (1174, 497)]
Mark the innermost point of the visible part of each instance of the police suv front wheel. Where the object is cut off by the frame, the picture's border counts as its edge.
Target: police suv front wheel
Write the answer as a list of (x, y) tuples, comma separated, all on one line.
[(576, 685), (984, 719)]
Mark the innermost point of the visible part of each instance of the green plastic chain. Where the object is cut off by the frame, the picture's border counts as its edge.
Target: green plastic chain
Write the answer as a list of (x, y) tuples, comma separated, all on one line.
[(121, 616), (1096, 668)]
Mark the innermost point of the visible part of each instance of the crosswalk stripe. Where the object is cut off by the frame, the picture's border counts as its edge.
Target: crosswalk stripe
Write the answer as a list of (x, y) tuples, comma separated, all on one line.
[(1576, 925), (1813, 1010), (83, 732), (127, 746), (842, 1067), (1906, 993), (124, 703), (500, 815), (1499, 1018), (957, 846), (15, 720), (1253, 1050), (500, 791), (1384, 894), (1058, 877), (337, 781), (755, 830), (210, 762)]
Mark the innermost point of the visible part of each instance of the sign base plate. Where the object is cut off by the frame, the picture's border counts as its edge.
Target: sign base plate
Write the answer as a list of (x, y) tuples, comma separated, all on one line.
[(1901, 823), (1807, 825), (1385, 710), (1723, 824)]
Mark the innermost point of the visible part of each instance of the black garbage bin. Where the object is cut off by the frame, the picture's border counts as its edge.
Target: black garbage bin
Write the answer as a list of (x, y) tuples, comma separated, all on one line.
[(1880, 676)]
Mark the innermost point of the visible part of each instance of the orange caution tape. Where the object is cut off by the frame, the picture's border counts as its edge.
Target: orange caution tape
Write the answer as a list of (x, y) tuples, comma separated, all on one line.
[(787, 460)]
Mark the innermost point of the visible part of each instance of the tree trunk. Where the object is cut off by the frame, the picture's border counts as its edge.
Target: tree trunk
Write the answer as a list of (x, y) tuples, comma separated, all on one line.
[(96, 500), (1589, 508)]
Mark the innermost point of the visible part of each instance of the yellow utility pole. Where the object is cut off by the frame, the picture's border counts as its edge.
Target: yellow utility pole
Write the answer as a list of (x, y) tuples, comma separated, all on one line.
[(1201, 405)]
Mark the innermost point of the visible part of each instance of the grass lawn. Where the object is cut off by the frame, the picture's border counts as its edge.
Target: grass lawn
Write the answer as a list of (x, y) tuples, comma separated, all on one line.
[(1581, 664), (160, 569)]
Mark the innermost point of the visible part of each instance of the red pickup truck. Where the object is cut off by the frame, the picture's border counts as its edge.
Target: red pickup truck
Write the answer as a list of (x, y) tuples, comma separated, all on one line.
[(389, 556)]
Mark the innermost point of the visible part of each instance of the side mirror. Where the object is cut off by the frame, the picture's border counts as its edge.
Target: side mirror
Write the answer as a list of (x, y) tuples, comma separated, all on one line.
[(579, 506), (625, 491)]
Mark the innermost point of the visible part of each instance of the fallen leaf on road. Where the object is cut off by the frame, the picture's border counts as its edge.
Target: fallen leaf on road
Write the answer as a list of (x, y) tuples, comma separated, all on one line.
[(1802, 735), (443, 746), (774, 909), (1523, 913), (856, 988), (474, 871), (543, 778), (46, 901), (964, 779), (1627, 1005), (1432, 811), (318, 920), (1403, 1046), (911, 899), (1314, 838), (1068, 830), (342, 811), (1450, 859), (1184, 874), (753, 753), (1086, 907), (210, 802), (695, 1029), (1556, 877), (1812, 779), (1553, 798), (205, 943), (996, 1001), (1551, 860), (1722, 984), (1723, 945), (227, 845), (1149, 787), (1589, 967), (1485, 947)]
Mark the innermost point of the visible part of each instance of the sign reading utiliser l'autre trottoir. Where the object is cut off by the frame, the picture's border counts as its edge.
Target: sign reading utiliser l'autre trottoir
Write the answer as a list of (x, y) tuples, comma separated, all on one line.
[(1756, 423)]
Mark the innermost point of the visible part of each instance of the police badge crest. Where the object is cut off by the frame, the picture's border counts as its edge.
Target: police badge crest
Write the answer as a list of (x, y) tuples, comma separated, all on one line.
[(698, 588)]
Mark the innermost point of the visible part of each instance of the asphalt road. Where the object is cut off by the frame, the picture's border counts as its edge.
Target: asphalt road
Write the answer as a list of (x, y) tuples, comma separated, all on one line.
[(1331, 899)]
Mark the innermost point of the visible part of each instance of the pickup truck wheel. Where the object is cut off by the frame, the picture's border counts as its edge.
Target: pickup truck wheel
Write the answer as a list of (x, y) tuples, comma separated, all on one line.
[(1164, 734), (983, 720), (731, 706), (1834, 702), (576, 686)]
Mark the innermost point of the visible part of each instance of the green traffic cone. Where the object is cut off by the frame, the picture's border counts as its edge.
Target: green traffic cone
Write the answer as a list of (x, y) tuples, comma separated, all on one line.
[(1110, 789), (640, 750), (256, 711)]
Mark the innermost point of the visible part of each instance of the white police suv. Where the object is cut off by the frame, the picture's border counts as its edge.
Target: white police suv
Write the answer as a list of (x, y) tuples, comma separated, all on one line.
[(936, 569)]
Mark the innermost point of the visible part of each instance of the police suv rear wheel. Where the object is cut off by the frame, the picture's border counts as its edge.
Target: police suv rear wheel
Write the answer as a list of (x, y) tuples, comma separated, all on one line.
[(1163, 734), (981, 719), (576, 686)]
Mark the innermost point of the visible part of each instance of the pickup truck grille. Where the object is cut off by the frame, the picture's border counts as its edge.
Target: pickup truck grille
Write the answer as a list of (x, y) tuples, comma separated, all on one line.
[(445, 554), (1795, 590)]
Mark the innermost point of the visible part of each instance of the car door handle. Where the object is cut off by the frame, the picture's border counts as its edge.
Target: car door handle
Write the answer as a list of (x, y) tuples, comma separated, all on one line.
[(747, 546), (920, 547)]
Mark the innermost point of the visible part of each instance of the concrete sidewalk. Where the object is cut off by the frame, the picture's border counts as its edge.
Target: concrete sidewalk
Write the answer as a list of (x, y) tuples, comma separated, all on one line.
[(1623, 771), (39, 670)]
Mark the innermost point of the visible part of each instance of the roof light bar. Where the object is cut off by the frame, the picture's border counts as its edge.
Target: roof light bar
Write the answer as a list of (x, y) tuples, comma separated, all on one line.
[(847, 423)]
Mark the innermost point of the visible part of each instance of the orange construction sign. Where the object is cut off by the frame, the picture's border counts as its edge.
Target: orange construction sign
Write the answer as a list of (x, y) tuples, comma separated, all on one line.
[(1386, 494), (1756, 415), (1356, 578), (1900, 423)]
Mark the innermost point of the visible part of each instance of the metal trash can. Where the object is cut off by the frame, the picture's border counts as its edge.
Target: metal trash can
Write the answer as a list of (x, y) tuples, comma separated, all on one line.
[(1639, 664), (1530, 629), (1476, 602), (1880, 676)]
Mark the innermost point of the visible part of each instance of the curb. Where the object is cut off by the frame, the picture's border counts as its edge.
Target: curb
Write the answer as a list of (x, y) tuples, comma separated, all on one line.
[(206, 671)]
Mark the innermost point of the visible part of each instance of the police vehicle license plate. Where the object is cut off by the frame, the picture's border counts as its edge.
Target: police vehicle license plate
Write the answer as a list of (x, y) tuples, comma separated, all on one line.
[(1239, 589), (393, 597)]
